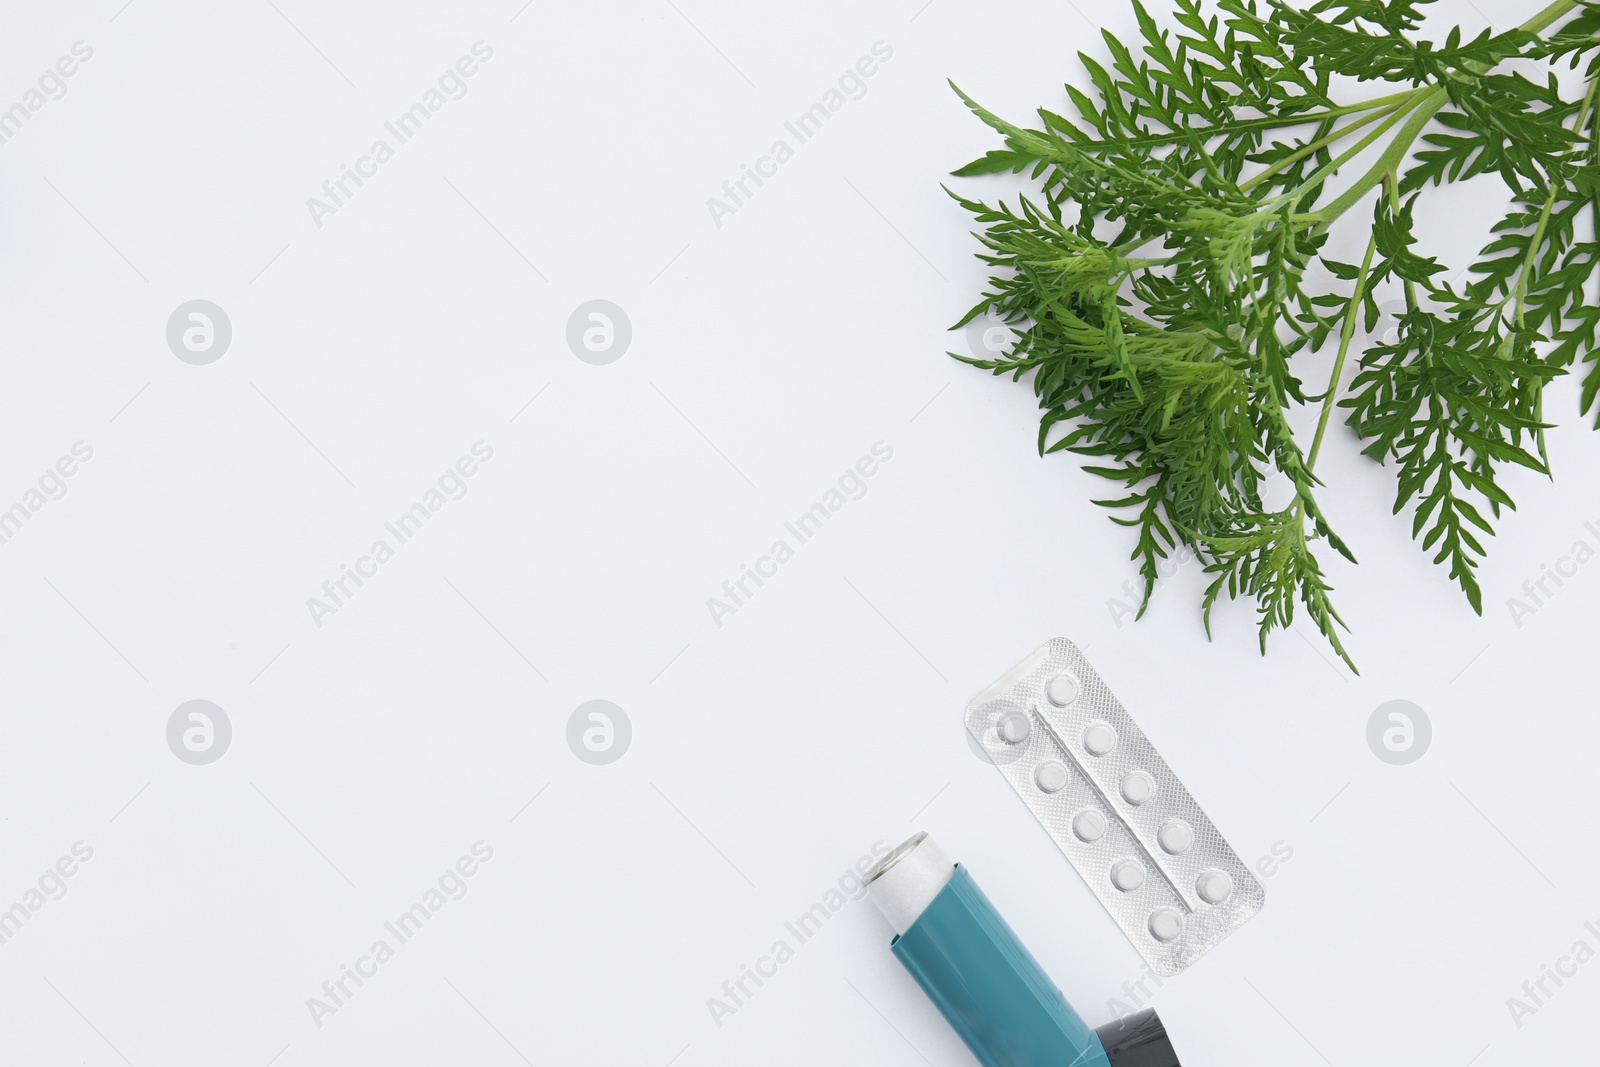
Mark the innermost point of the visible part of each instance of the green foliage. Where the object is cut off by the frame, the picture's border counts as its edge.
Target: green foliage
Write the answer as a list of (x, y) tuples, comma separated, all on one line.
[(1160, 278)]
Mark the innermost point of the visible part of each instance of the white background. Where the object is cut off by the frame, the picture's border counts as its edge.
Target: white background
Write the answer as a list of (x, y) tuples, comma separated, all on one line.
[(768, 755)]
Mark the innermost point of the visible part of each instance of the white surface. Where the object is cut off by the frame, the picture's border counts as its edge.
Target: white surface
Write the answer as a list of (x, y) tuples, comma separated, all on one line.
[(904, 891), (767, 754)]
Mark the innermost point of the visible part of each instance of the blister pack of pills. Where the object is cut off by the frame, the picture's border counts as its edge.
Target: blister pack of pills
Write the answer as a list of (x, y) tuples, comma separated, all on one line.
[(1114, 807)]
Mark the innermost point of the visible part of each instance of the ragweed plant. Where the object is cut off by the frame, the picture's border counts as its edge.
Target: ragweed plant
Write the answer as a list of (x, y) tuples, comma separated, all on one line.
[(1163, 277)]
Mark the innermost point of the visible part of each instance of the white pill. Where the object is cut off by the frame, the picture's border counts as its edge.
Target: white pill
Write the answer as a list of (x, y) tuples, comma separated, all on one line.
[(1175, 836), (1050, 776), (1099, 738), (1062, 690), (1213, 886), (1013, 727), (1127, 875), (1165, 924), (1137, 787), (1089, 826)]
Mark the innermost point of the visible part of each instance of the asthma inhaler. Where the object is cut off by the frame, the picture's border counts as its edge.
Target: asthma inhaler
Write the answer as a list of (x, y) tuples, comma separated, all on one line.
[(982, 979)]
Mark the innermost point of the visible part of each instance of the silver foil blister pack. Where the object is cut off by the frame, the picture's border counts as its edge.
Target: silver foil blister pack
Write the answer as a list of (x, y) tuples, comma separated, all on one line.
[(1114, 807)]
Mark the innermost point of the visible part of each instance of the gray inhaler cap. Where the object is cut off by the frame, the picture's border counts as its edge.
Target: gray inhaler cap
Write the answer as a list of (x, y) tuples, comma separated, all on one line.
[(1138, 1040)]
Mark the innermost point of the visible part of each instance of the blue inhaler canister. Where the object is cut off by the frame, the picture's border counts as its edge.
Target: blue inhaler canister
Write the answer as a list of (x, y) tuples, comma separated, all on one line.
[(982, 979)]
